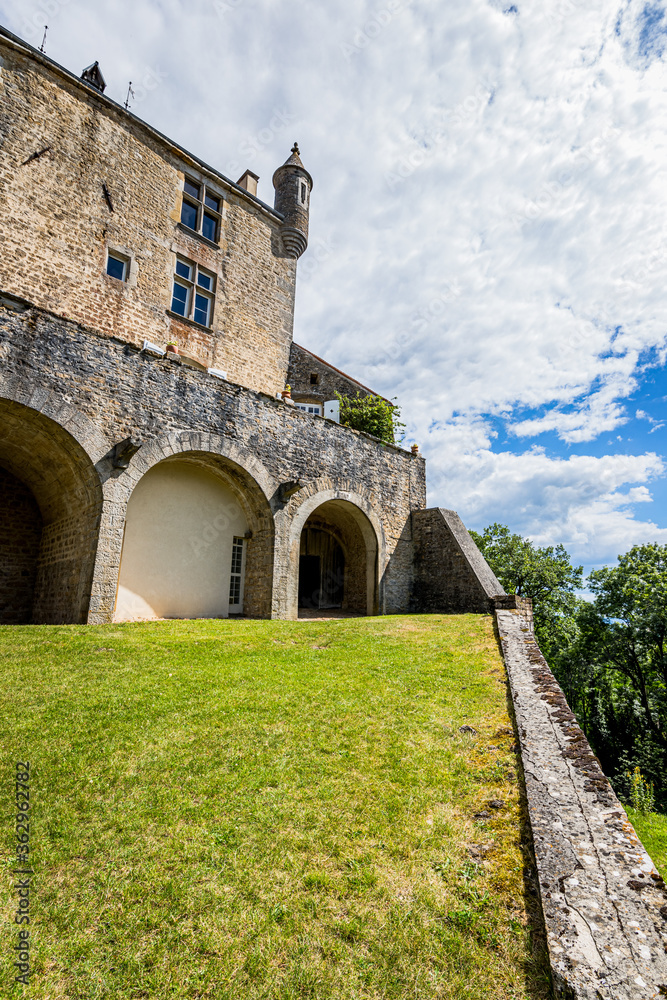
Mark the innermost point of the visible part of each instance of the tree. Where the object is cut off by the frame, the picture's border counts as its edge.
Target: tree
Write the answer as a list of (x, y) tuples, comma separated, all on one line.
[(622, 645), (372, 414), (546, 575), (608, 654)]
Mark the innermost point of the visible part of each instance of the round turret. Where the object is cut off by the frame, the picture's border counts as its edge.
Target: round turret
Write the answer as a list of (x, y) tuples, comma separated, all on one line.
[(293, 185)]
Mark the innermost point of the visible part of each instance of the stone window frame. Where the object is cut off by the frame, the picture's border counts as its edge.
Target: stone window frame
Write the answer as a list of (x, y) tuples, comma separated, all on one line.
[(192, 285), (202, 208), (132, 268)]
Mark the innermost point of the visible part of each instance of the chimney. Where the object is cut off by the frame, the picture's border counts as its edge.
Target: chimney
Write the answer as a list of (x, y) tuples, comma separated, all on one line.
[(249, 182), (93, 76)]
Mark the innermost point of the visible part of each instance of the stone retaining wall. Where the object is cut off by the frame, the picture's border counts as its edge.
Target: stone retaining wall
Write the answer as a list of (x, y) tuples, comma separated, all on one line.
[(604, 903)]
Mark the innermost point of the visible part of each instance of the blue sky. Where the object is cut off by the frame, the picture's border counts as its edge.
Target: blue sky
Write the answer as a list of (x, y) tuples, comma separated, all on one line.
[(488, 222)]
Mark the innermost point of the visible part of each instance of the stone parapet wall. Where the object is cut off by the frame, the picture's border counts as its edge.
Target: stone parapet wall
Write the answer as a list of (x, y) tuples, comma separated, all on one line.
[(451, 574), (604, 903)]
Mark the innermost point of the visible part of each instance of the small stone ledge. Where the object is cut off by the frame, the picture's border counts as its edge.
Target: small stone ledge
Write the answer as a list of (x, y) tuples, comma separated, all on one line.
[(604, 903)]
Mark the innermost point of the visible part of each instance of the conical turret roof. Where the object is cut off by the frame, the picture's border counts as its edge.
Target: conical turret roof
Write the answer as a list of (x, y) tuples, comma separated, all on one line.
[(294, 160)]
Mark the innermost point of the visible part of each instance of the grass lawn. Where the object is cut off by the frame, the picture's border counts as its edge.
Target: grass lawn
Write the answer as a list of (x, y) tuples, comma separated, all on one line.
[(255, 809), (652, 831)]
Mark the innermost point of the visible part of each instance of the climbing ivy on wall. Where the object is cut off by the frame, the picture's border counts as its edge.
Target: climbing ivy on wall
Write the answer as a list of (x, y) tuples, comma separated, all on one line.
[(373, 415)]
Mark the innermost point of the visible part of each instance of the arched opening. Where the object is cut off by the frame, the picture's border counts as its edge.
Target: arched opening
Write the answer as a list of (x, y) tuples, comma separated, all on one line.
[(338, 560), (188, 551), (50, 505)]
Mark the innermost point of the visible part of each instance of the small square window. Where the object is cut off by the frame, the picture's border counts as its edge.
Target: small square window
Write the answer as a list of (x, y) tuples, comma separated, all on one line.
[(205, 280), (314, 378), (212, 202), (183, 269), (117, 265)]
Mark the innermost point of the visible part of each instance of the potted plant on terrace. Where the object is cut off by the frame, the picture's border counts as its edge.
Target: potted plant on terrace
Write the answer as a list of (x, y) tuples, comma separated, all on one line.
[(172, 347)]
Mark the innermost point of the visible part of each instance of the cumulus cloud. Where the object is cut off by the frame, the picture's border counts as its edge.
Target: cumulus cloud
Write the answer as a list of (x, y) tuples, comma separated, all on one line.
[(487, 222)]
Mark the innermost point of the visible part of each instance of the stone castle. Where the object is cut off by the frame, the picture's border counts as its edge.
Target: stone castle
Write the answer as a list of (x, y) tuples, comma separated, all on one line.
[(149, 464), (139, 481)]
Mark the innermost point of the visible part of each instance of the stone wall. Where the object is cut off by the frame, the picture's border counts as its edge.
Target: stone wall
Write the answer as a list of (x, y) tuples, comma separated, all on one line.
[(57, 224), (304, 365), (111, 392), (604, 903), (451, 575)]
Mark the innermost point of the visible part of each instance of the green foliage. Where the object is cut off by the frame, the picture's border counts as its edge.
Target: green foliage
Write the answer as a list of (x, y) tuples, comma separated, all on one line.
[(609, 654), (620, 659), (373, 415), (642, 796), (652, 831), (546, 575)]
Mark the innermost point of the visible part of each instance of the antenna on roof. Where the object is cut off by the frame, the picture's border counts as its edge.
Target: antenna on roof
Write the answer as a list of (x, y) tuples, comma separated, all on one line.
[(130, 92), (43, 45)]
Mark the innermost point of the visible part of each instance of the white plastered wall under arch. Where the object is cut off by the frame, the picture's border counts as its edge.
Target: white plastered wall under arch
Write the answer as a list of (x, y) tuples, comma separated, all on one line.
[(177, 550)]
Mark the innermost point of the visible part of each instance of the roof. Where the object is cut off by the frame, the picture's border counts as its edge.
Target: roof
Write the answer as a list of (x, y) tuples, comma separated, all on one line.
[(344, 374)]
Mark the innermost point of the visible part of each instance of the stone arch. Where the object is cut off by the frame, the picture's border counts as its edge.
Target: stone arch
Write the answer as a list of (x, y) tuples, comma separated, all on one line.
[(247, 481), (350, 518), (47, 452)]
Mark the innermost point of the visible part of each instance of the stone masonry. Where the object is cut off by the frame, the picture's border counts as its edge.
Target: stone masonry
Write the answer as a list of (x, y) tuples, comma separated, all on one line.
[(313, 380), (604, 903), (63, 146), (50, 365)]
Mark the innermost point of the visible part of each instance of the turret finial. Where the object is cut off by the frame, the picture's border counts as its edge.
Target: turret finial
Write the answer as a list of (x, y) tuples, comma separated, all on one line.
[(295, 148)]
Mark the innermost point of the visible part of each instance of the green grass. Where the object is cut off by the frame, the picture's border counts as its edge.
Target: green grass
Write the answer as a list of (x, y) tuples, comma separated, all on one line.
[(652, 831), (238, 809)]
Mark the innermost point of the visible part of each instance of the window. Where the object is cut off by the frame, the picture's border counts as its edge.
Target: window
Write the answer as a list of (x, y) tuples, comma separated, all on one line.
[(314, 378), (236, 578), (304, 192), (200, 210), (194, 292), (118, 266), (310, 408)]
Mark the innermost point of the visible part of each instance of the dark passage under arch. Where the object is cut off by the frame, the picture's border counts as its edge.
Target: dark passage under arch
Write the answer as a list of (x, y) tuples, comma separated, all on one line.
[(20, 540), (321, 569)]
